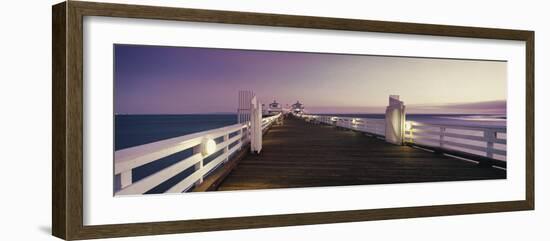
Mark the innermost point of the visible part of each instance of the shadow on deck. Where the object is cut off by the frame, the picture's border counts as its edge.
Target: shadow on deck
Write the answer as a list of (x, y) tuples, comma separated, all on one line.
[(301, 154)]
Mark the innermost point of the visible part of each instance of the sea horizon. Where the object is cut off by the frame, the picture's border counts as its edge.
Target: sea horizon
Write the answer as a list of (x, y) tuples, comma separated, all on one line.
[(328, 113), (137, 129)]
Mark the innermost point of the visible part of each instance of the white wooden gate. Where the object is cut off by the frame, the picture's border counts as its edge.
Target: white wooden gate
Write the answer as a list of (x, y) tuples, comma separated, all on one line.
[(395, 121)]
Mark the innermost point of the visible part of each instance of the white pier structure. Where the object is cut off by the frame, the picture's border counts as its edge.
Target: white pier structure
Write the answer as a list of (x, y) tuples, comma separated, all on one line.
[(459, 141), (212, 149), (489, 142), (394, 130), (272, 109)]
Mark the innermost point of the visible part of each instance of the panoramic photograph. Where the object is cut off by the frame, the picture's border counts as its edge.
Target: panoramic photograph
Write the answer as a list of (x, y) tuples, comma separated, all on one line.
[(190, 119)]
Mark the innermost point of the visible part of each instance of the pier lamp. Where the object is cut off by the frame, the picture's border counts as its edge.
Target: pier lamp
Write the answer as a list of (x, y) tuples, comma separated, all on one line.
[(408, 126), (208, 146)]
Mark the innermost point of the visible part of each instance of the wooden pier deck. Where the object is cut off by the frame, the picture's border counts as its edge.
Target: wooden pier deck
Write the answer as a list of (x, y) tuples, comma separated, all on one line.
[(301, 154)]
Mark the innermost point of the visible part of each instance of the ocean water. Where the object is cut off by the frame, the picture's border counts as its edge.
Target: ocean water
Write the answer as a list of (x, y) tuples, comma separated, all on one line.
[(134, 130)]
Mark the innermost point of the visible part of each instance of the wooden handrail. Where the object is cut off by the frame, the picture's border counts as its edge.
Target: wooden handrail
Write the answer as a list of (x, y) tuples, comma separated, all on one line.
[(420, 125), (367, 125), (469, 139), (442, 137), (128, 159)]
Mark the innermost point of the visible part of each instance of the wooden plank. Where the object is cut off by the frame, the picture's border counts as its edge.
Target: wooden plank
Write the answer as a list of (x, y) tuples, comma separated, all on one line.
[(484, 161), (428, 133), (147, 154), (133, 157), (366, 125), (417, 125), (159, 177), (425, 141)]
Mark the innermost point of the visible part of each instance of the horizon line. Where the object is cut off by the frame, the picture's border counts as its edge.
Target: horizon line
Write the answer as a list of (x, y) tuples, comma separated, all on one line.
[(317, 113)]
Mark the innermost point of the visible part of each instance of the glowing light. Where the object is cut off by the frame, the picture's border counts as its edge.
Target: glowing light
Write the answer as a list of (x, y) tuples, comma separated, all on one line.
[(208, 146), (408, 126)]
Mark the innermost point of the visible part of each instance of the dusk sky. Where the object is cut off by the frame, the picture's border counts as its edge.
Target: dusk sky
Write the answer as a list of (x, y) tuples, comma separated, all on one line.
[(179, 80)]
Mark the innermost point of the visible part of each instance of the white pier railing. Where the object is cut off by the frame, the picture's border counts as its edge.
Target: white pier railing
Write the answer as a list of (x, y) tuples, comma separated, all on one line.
[(367, 125), (269, 121), (230, 139), (489, 142)]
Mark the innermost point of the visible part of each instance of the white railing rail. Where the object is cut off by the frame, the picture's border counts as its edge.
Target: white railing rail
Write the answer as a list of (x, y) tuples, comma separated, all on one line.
[(489, 142), (203, 145), (367, 125), (268, 121)]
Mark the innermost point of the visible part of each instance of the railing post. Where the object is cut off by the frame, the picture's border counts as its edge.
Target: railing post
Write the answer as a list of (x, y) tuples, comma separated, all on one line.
[(226, 149), (490, 137), (199, 165), (242, 136), (395, 121), (125, 179)]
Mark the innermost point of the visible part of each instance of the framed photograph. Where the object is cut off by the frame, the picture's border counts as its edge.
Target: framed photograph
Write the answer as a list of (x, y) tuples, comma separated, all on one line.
[(171, 120)]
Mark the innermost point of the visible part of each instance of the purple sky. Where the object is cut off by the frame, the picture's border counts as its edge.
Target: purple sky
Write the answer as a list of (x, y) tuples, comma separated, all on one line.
[(180, 80)]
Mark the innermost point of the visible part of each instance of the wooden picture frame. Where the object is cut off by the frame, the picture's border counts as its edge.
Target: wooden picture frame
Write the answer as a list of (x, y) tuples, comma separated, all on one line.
[(67, 152)]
